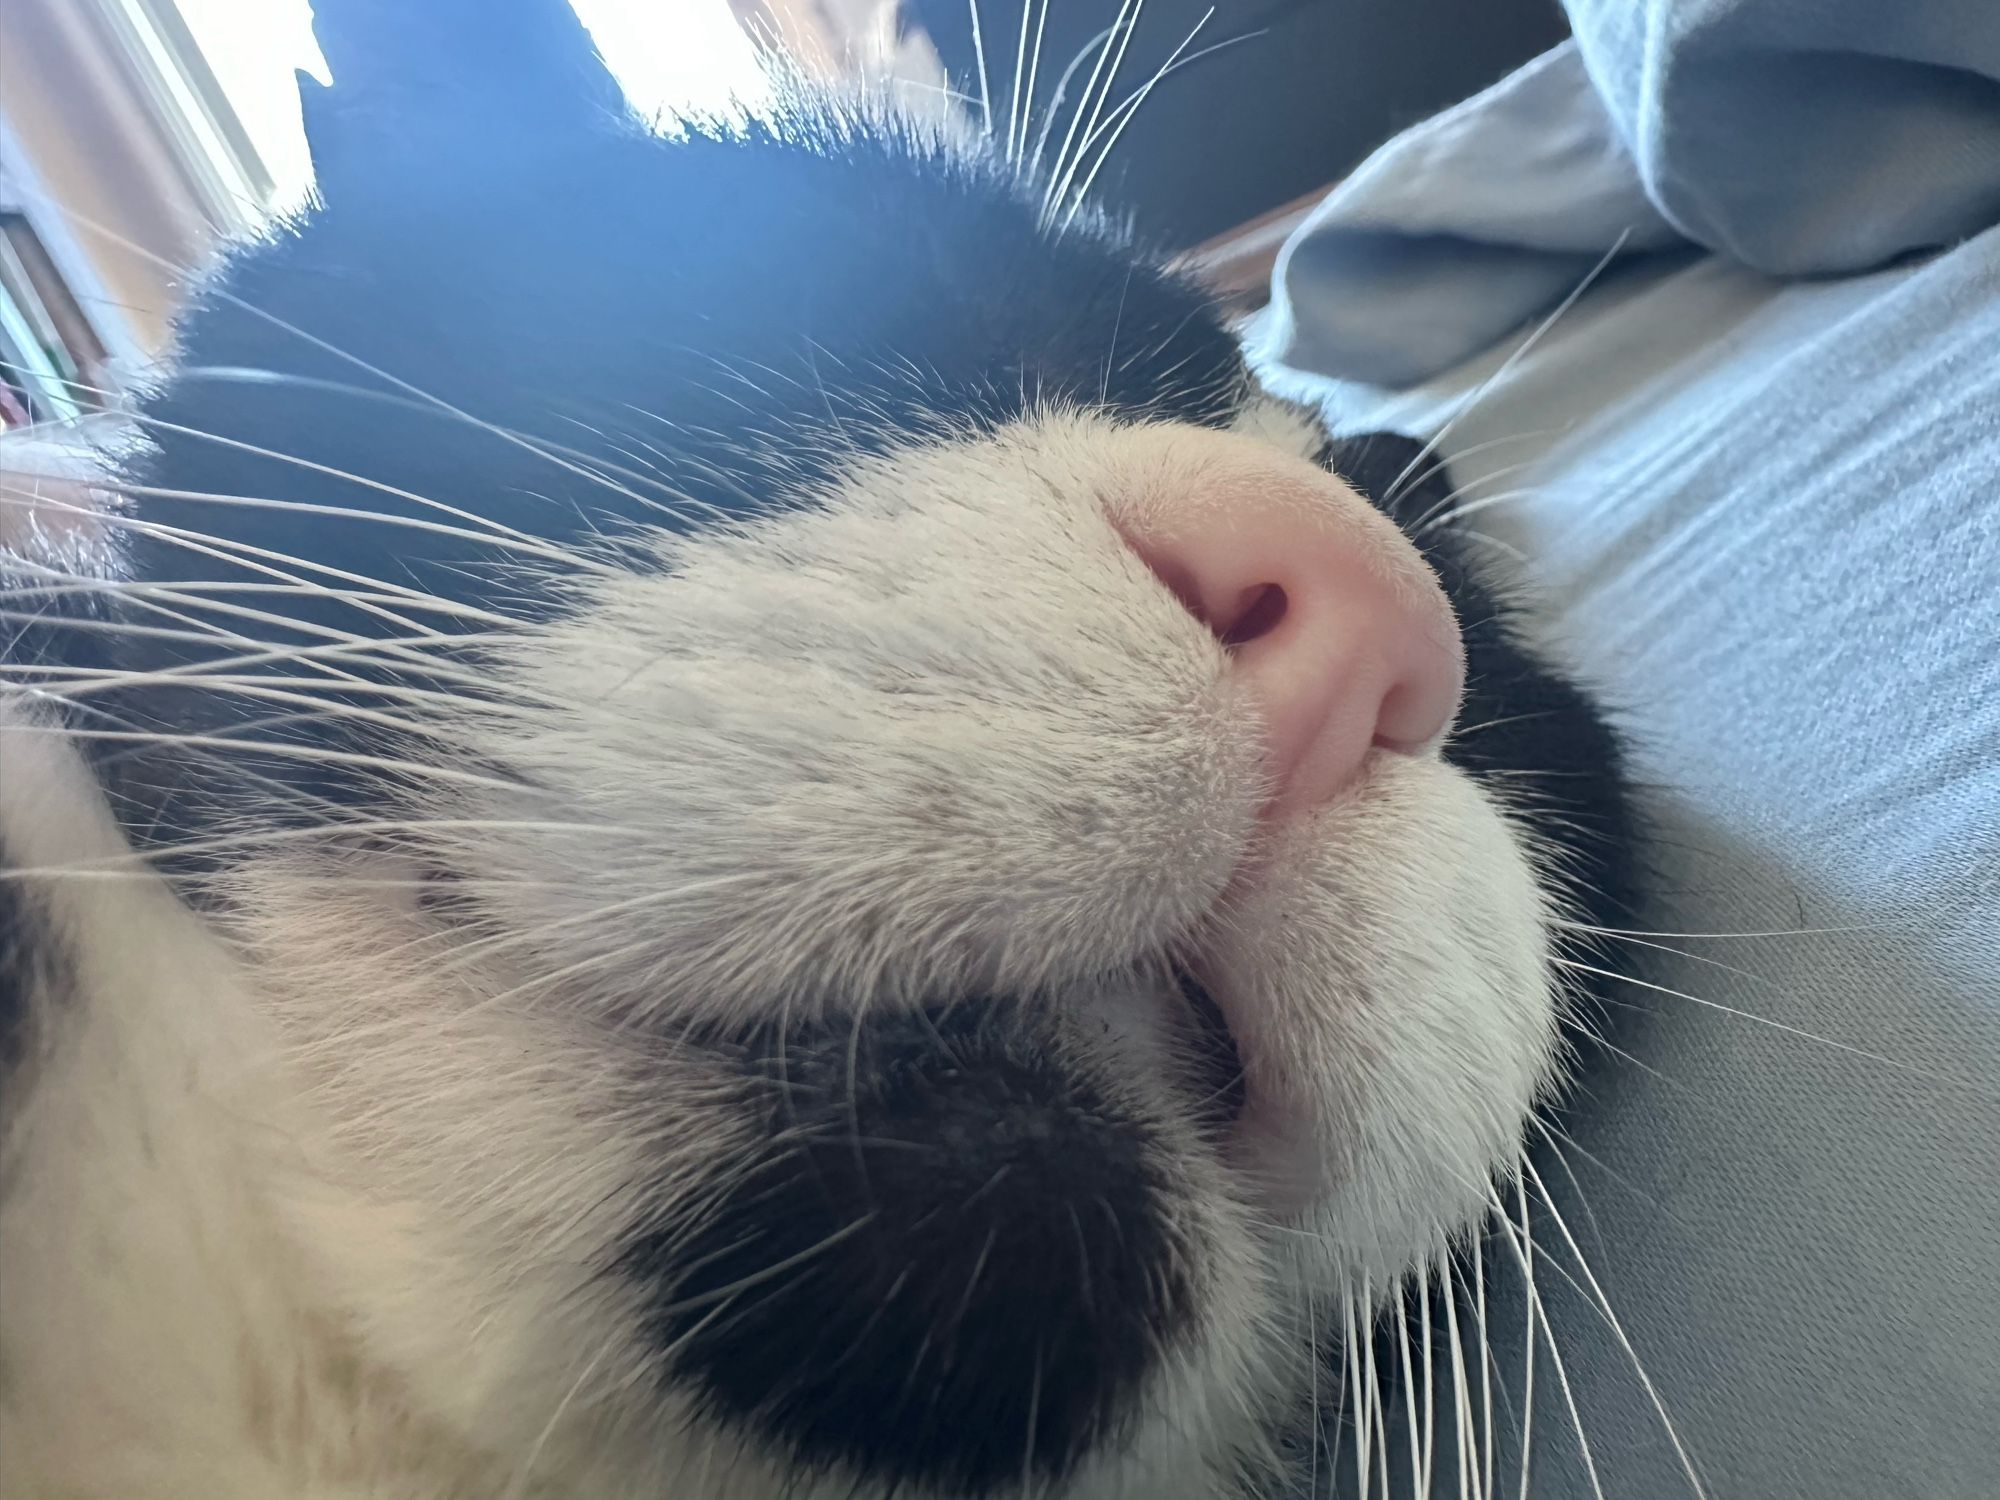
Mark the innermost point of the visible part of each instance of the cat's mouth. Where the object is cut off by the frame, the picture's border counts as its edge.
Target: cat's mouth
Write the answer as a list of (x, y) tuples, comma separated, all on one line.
[(1272, 1147), (1214, 1063)]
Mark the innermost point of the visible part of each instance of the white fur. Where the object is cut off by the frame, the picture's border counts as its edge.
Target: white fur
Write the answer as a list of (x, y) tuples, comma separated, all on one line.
[(304, 1203)]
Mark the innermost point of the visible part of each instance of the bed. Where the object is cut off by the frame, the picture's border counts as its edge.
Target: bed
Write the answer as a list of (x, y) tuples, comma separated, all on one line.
[(1703, 309)]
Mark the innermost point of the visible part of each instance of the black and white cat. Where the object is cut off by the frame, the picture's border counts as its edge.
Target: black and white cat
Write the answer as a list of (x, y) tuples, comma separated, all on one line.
[(728, 819)]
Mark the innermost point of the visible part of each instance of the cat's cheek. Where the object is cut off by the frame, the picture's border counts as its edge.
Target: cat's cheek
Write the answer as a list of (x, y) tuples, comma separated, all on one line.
[(1388, 984)]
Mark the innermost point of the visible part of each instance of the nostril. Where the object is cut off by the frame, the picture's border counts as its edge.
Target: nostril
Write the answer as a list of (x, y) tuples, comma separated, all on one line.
[(1236, 621), (1262, 607)]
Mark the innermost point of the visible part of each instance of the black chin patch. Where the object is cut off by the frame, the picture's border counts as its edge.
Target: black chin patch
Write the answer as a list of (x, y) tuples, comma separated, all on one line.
[(951, 1266)]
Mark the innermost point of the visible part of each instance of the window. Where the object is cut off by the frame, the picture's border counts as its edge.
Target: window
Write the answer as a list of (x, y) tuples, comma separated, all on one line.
[(53, 365)]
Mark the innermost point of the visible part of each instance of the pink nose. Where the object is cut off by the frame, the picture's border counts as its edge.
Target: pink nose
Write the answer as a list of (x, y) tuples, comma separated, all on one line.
[(1336, 630)]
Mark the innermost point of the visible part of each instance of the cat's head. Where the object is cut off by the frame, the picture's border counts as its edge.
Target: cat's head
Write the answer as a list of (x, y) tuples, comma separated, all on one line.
[(881, 883)]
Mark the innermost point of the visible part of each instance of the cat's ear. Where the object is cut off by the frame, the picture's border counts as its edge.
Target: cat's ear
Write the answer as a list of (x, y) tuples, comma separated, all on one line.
[(436, 83)]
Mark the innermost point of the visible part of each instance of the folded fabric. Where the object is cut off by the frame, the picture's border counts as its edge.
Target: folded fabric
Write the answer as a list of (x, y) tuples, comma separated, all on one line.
[(1797, 137)]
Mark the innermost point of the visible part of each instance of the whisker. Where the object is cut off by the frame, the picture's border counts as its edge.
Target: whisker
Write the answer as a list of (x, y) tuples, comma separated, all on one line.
[(1411, 1427), (282, 749), (979, 55), (1020, 67), (1061, 173), (1539, 1314), (1524, 1251), (1603, 1304), (1351, 1348), (194, 590), (260, 560), (362, 650), (1461, 1384), (214, 597), (1488, 1482), (527, 445), (675, 502), (142, 862), (1376, 1401), (331, 471), (323, 709), (1797, 1031), (1034, 69), (1120, 119), (1526, 347), (528, 547), (1483, 446), (1051, 114), (1781, 932), (1472, 508), (1440, 511)]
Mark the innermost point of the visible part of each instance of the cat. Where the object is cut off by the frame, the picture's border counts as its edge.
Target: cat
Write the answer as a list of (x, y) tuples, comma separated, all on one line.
[(716, 813)]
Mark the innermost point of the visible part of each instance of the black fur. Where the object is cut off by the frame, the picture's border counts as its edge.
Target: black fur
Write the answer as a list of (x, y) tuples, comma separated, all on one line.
[(1524, 727), (952, 1259), (697, 327)]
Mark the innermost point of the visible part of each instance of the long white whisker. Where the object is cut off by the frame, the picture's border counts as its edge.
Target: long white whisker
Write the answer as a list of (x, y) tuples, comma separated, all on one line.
[(1412, 1428), (1053, 112), (1376, 1401), (1113, 52), (1488, 1431), (1314, 1433), (979, 57), (1603, 1303), (259, 560), (322, 709), (1781, 932), (1461, 1385), (528, 547), (1428, 1336), (293, 460), (1014, 126), (336, 647), (1524, 1252), (136, 861), (281, 749), (1481, 447), (537, 449), (1526, 347), (1441, 511), (1797, 1031), (675, 504), (1351, 1349), (215, 598), (1081, 195), (1034, 69), (1538, 1313), (198, 592)]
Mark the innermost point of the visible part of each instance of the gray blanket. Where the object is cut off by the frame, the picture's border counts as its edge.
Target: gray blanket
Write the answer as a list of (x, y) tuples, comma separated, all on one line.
[(1763, 513), (1796, 137)]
